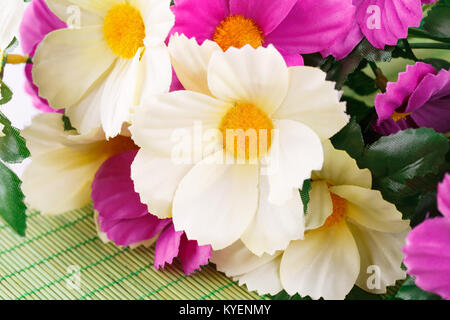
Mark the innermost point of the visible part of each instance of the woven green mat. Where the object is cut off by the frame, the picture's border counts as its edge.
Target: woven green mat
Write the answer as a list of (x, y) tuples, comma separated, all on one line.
[(62, 258)]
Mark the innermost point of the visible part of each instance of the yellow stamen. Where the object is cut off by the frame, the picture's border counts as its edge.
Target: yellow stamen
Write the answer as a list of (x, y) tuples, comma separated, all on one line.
[(124, 30), (237, 31), (16, 59), (339, 211), (399, 116), (246, 131)]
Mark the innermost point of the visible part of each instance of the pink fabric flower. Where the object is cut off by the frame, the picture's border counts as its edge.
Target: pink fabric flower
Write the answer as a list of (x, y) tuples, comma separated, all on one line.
[(427, 248), (382, 22), (420, 98), (126, 221), (293, 26), (37, 22)]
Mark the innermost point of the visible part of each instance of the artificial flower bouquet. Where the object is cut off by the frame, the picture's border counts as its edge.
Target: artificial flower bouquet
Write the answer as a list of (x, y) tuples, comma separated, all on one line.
[(270, 138)]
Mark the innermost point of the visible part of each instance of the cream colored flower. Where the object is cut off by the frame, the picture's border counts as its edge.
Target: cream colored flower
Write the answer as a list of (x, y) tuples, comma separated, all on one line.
[(98, 70), (353, 237), (254, 197), (64, 164), (11, 12)]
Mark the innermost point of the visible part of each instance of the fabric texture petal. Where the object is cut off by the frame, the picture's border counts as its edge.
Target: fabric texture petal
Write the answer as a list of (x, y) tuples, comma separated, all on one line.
[(232, 197), (312, 267), (122, 216)]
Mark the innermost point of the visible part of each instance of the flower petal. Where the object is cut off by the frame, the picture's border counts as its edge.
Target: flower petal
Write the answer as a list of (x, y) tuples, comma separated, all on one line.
[(427, 256), (320, 205), (155, 72), (192, 256), (167, 247), (91, 12), (303, 32), (341, 169), (215, 203), (314, 102), (237, 260), (267, 14), (381, 258), (168, 123), (122, 216), (368, 208), (264, 279), (158, 19), (119, 94), (324, 264), (156, 179), (247, 75), (273, 227), (199, 18), (394, 17), (68, 62), (191, 61), (295, 153), (10, 16)]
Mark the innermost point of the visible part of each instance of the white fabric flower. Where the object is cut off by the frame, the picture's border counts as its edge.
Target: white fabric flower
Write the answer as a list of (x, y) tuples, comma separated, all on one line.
[(64, 164), (11, 12), (254, 197), (353, 237), (111, 55)]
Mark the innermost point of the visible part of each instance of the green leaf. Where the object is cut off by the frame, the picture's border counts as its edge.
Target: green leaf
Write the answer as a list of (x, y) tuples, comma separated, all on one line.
[(359, 294), (357, 109), (304, 194), (438, 64), (5, 93), (350, 139), (361, 83), (12, 208), (283, 295), (12, 146), (403, 156), (370, 53), (437, 22), (67, 124), (409, 291)]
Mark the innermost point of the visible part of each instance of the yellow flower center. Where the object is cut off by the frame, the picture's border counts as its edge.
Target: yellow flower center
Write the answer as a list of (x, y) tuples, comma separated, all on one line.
[(246, 131), (237, 31), (396, 116), (124, 30), (339, 211)]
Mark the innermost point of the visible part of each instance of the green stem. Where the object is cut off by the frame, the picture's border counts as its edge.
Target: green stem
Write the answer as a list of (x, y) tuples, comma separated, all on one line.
[(408, 50), (445, 46), (419, 33)]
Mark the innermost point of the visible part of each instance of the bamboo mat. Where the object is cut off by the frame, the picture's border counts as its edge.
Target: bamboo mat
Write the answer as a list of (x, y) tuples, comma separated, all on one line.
[(62, 258)]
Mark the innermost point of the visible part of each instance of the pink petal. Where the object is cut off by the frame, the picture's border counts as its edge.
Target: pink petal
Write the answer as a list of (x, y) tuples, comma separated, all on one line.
[(398, 93), (199, 18), (430, 101), (346, 43), (427, 257), (394, 17), (193, 256), (292, 59), (443, 197), (267, 14), (313, 26), (122, 216), (36, 23), (167, 246)]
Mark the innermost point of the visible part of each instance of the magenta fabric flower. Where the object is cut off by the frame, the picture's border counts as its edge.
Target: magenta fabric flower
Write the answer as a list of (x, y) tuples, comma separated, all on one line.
[(293, 26), (36, 23), (382, 22), (126, 221), (419, 98), (427, 248)]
